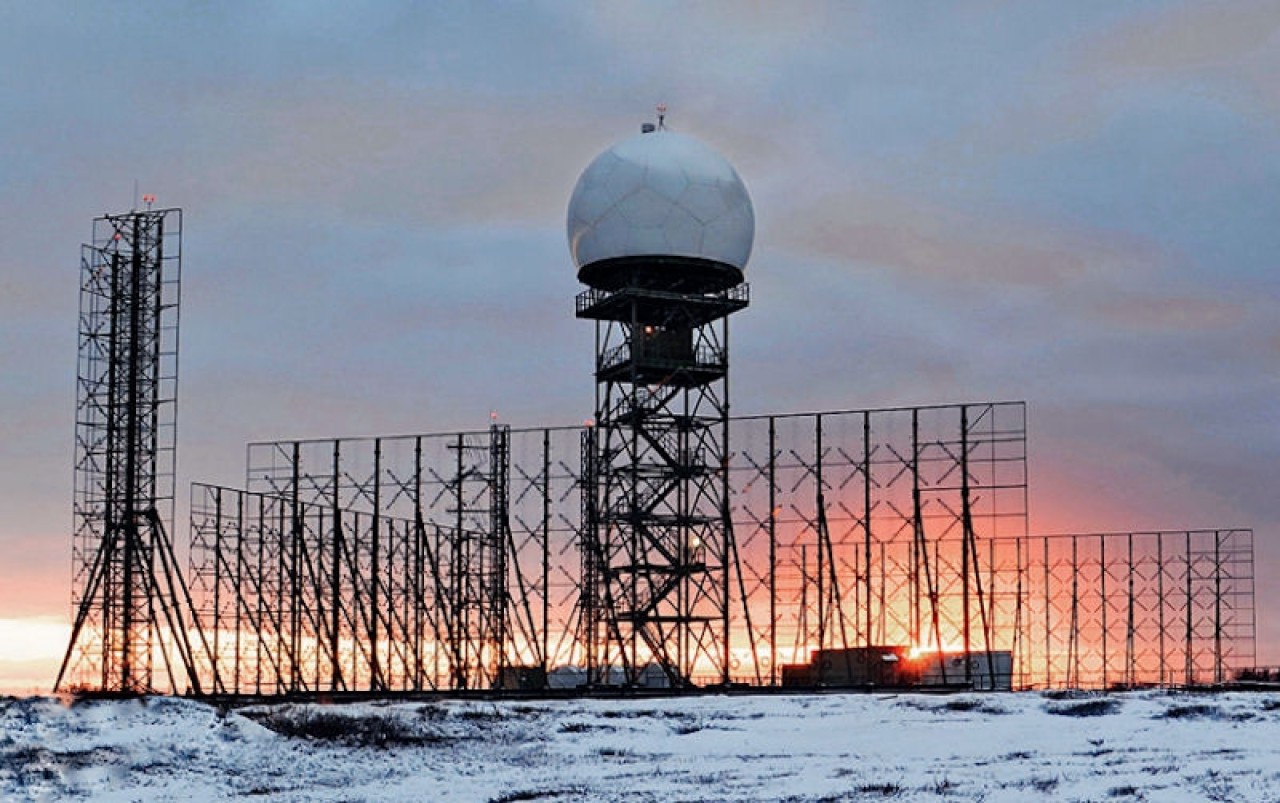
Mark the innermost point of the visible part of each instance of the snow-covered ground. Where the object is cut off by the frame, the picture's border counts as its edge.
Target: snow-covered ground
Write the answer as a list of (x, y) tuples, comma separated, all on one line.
[(1009, 747)]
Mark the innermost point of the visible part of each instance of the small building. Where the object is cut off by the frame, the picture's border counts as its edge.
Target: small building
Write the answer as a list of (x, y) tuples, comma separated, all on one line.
[(981, 671), (651, 676), (863, 666), (900, 666), (855, 666), (522, 678), (797, 675)]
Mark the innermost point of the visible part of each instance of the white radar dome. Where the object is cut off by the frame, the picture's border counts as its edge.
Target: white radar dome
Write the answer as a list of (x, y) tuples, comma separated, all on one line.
[(661, 193)]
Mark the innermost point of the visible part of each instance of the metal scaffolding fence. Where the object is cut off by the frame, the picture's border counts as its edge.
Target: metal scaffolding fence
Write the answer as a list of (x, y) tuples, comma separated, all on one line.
[(456, 561)]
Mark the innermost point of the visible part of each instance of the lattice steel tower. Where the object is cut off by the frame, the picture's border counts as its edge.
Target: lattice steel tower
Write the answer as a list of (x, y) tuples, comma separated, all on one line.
[(129, 596), (660, 227)]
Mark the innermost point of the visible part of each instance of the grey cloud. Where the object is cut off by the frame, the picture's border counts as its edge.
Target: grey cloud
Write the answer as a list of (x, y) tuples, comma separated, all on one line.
[(1189, 36)]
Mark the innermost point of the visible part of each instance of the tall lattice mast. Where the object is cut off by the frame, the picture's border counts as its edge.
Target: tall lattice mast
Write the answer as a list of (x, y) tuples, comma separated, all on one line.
[(128, 595), (660, 227)]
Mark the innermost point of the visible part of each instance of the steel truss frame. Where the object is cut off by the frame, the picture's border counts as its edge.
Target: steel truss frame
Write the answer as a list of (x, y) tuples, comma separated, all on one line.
[(656, 532), (441, 550), (1105, 610), (129, 597), (298, 598), (865, 528), (442, 561), (850, 528)]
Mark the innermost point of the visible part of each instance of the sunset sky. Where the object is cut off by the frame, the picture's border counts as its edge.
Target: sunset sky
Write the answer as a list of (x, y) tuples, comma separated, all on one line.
[(1075, 203)]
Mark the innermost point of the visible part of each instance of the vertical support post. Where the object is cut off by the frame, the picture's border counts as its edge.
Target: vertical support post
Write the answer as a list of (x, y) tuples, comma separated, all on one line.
[(1073, 642), (295, 577), (1160, 608), (918, 554), (1190, 674), (335, 573), (1048, 624), (866, 526), (419, 568), (239, 593), (1218, 663), (218, 562), (818, 534), (728, 545), (546, 550), (376, 680), (966, 545), (773, 553), (1105, 603), (1131, 658), (589, 552)]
